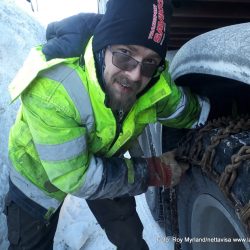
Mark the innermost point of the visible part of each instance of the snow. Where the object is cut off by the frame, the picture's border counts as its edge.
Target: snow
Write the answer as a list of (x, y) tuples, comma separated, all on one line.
[(77, 228), (19, 32), (47, 11)]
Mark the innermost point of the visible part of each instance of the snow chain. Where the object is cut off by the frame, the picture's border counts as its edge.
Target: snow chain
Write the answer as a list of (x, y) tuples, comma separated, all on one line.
[(169, 205), (192, 150)]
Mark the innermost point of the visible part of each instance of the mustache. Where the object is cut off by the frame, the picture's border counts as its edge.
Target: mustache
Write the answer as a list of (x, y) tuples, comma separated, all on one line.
[(123, 80)]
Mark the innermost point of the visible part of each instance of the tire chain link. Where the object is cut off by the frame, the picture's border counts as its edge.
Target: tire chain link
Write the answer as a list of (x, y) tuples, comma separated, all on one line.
[(190, 150)]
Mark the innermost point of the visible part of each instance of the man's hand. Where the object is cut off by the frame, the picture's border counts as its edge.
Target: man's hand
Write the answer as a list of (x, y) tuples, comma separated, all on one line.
[(164, 170)]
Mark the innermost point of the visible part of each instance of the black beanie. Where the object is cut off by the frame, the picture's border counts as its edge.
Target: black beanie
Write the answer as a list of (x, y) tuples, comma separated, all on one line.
[(134, 22)]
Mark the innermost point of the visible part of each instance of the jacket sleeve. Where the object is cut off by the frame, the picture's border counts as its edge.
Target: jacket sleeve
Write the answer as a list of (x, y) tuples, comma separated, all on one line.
[(120, 177), (68, 37), (62, 144), (182, 108)]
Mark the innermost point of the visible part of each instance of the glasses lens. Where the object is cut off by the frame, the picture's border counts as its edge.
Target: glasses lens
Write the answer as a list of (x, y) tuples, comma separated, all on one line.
[(123, 61), (148, 69), (128, 63)]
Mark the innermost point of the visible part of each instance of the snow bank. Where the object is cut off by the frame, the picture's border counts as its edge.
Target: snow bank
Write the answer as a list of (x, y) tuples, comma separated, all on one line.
[(19, 32)]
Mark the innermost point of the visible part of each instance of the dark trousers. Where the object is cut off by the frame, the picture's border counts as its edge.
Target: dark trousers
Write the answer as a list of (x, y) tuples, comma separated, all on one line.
[(26, 232), (117, 217)]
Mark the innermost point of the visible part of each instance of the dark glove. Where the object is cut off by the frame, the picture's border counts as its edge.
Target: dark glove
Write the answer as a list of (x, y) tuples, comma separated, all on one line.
[(164, 170)]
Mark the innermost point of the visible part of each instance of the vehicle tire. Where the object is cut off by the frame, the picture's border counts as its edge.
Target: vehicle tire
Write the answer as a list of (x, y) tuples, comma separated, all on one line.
[(207, 218), (161, 205)]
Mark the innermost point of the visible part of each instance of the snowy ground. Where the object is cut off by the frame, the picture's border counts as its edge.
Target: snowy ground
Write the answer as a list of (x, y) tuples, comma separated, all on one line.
[(77, 228), (85, 233)]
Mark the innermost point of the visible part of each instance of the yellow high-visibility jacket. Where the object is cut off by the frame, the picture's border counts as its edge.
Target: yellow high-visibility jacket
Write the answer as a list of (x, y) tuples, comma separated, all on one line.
[(66, 140)]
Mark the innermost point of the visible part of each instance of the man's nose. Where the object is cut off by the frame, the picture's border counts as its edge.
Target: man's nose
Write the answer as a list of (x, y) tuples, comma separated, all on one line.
[(135, 74)]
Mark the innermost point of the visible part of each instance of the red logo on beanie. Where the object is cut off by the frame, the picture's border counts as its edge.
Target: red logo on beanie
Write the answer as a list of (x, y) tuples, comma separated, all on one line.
[(157, 32)]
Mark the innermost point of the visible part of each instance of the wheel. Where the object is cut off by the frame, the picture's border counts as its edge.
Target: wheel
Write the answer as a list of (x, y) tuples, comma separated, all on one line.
[(161, 203), (204, 212), (213, 214)]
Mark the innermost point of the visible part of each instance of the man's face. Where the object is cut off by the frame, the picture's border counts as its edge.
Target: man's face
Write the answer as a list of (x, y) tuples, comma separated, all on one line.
[(122, 85)]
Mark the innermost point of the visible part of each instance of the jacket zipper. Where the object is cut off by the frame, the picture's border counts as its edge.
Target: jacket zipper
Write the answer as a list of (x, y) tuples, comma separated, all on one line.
[(119, 120)]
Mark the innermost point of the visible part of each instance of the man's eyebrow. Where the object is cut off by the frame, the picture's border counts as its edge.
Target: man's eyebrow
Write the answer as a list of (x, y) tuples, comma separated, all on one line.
[(134, 49), (155, 56)]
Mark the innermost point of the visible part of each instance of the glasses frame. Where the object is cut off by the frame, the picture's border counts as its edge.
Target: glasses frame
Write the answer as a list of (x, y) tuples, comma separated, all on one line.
[(157, 71)]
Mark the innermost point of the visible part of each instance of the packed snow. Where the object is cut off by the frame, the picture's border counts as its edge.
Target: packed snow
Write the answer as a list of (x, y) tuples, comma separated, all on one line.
[(77, 227)]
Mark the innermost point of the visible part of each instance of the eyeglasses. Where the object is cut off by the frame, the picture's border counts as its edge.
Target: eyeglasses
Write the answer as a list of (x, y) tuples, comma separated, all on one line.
[(128, 63)]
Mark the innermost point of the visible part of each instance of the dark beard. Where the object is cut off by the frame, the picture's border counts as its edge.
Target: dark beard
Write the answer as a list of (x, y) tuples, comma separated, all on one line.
[(121, 104), (124, 104)]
